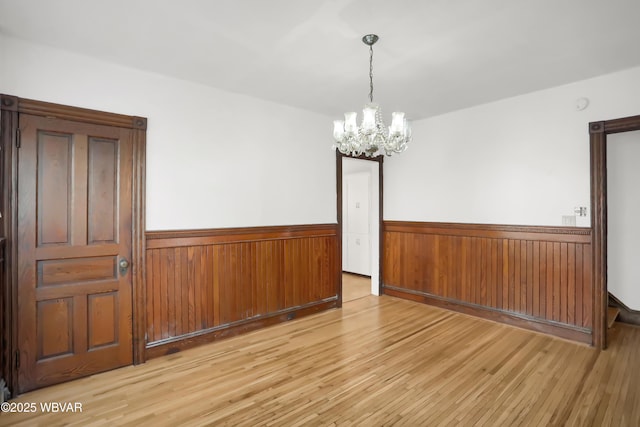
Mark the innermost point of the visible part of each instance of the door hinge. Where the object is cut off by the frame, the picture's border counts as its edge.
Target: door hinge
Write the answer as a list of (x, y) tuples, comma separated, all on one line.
[(17, 359), (18, 138)]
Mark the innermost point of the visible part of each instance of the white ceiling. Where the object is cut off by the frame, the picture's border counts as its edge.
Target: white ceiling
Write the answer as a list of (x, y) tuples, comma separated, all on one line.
[(433, 56)]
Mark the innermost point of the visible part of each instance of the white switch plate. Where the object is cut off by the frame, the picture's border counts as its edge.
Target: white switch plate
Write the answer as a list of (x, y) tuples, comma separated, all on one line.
[(569, 220)]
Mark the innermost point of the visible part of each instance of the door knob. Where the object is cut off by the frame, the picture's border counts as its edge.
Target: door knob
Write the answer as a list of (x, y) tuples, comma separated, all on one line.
[(124, 265)]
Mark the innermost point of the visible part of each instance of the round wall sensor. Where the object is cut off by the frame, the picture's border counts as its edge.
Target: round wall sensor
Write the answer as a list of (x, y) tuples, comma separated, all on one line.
[(582, 103)]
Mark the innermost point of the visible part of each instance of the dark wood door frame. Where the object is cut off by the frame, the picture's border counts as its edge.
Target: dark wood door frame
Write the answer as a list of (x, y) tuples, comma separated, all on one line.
[(598, 132), (11, 107), (380, 160)]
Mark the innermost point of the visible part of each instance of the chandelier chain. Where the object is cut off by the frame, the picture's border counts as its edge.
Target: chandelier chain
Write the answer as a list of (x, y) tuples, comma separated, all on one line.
[(370, 73)]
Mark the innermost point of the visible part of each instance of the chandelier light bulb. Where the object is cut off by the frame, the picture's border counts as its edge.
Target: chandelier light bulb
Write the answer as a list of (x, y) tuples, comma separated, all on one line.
[(397, 122), (372, 137), (369, 118), (350, 124)]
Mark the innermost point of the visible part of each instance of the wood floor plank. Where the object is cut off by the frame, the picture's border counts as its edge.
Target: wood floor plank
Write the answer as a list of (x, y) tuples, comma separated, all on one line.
[(355, 286), (376, 361)]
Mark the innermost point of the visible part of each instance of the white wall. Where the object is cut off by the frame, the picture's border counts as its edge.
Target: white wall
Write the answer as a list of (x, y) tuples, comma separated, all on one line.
[(214, 158), (212, 161), (623, 209), (522, 160)]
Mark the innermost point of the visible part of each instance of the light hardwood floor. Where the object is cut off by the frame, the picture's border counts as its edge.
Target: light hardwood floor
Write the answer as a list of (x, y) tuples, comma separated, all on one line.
[(376, 361), (354, 287)]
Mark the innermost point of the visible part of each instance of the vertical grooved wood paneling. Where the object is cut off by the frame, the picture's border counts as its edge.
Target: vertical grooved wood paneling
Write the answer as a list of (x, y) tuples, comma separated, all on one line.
[(579, 278), (171, 304), (587, 289), (538, 273), (177, 291), (542, 266), (529, 284), (535, 272), (550, 281), (164, 308), (557, 277), (157, 300), (517, 278), (206, 279)]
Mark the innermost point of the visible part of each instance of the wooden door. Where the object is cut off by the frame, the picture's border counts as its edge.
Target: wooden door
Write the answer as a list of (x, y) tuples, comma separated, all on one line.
[(74, 237)]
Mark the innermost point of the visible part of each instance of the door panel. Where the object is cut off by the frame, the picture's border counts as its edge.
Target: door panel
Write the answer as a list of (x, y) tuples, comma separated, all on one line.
[(356, 224), (103, 191), (53, 188), (74, 225)]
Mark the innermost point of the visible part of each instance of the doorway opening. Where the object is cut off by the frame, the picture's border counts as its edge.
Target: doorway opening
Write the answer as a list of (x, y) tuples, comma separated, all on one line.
[(360, 224), (623, 230), (598, 147)]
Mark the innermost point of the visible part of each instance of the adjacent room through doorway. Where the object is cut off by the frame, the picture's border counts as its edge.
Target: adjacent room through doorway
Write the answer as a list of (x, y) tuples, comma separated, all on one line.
[(360, 228), (355, 286)]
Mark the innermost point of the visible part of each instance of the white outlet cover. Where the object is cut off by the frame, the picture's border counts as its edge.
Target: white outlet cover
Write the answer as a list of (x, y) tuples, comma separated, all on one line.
[(569, 220)]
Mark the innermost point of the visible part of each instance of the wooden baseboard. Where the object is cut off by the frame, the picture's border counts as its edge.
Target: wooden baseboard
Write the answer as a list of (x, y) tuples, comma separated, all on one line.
[(626, 315), (183, 342), (569, 332)]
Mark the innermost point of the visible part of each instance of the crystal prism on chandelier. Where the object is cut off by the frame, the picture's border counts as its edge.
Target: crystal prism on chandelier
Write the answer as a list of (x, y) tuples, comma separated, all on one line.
[(372, 137)]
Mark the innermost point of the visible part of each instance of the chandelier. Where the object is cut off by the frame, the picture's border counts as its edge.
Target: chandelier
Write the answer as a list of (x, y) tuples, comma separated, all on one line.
[(372, 137)]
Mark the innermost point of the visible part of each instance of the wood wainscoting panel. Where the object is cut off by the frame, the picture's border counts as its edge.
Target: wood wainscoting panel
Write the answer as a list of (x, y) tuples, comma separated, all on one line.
[(203, 284), (535, 277)]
